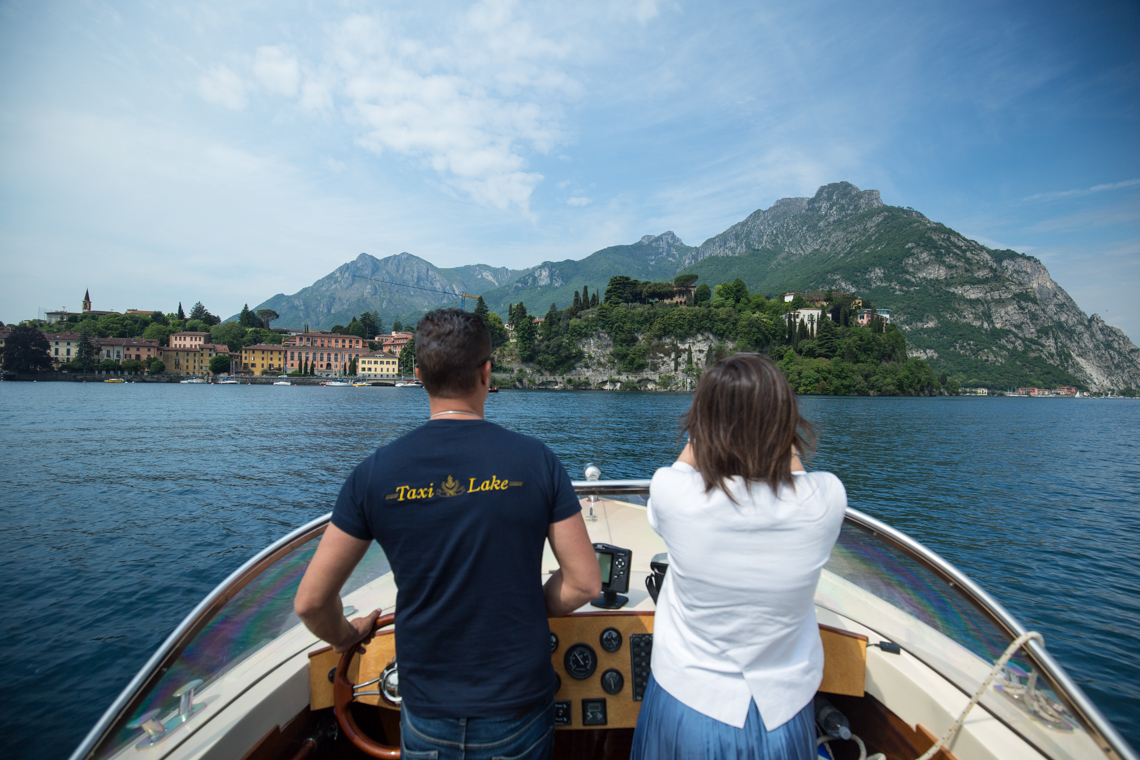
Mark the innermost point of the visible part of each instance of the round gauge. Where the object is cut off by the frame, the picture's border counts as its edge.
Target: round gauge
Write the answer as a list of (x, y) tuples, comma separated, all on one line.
[(557, 683), (553, 641), (610, 639), (612, 681), (581, 661)]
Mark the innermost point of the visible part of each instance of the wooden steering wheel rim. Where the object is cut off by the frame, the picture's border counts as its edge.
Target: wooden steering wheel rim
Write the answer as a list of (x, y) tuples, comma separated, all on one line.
[(342, 698)]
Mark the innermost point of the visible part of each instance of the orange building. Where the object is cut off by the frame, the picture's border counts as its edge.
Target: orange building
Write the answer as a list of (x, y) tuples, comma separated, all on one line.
[(395, 342), (63, 347), (324, 353)]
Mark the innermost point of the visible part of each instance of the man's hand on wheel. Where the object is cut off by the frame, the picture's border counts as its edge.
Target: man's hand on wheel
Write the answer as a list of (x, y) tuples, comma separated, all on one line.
[(358, 633)]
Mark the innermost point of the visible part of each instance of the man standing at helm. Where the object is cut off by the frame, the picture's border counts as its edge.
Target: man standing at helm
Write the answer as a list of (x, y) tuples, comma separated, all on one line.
[(462, 508)]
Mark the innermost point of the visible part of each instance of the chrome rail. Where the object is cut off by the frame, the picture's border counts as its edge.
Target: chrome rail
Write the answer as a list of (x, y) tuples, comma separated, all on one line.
[(127, 702), (1102, 731)]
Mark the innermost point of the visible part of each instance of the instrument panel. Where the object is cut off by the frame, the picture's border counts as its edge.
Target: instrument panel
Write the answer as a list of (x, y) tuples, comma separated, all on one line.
[(601, 662)]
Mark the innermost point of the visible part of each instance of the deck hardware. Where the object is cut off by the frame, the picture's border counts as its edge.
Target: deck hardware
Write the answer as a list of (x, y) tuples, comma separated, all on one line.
[(593, 473), (185, 694), (887, 646), (332, 674), (153, 728)]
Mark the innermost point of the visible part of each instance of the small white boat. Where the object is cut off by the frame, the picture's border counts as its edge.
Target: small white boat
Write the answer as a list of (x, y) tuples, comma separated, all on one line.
[(361, 385), (336, 384), (409, 384), (228, 381), (908, 639), (193, 381), (282, 382)]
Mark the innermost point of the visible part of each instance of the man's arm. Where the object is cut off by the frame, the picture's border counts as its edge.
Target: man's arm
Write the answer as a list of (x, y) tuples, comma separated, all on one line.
[(578, 578), (318, 597)]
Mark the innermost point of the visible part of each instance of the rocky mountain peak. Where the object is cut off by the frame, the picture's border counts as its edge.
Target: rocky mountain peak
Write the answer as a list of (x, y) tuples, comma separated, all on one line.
[(842, 199)]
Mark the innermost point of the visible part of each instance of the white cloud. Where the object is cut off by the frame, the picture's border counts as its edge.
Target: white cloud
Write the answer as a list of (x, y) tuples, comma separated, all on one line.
[(578, 201), (336, 166), (1085, 191), (222, 86), (277, 70)]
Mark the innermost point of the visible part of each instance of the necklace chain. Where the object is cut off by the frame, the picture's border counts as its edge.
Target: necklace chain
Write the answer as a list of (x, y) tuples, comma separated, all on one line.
[(455, 411)]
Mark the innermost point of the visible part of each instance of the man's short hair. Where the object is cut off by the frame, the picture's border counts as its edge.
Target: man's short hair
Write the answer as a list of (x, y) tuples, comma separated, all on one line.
[(451, 346)]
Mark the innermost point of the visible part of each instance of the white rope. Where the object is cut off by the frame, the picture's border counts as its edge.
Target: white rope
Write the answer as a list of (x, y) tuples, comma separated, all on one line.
[(823, 740), (1018, 643)]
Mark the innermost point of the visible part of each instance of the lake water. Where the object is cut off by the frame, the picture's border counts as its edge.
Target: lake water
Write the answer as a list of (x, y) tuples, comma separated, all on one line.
[(123, 505)]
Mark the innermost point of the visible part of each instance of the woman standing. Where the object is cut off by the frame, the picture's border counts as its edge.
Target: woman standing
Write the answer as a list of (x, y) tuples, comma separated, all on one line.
[(737, 656)]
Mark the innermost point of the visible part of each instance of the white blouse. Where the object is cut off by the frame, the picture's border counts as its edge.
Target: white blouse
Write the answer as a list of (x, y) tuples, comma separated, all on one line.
[(735, 618)]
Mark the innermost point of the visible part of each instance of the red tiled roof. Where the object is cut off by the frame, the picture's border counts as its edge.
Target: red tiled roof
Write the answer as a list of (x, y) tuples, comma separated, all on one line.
[(263, 347)]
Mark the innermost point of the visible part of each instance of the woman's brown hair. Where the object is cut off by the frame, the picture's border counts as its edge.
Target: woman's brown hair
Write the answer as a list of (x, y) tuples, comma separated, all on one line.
[(744, 420)]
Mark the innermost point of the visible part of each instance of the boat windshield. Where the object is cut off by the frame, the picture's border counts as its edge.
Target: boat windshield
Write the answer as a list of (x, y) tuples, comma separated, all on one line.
[(247, 621)]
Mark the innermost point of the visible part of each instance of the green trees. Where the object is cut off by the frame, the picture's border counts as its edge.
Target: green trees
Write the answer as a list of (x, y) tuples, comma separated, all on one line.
[(231, 334), (481, 309), (220, 364), (371, 324), (181, 314), (200, 313), (246, 318), (408, 357), (703, 294), (157, 367), (656, 291), (685, 280), (622, 289), (85, 354), (267, 316), (397, 326), (26, 350)]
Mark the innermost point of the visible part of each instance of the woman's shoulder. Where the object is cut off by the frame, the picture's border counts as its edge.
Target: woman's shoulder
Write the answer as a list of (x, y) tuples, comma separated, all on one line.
[(824, 489)]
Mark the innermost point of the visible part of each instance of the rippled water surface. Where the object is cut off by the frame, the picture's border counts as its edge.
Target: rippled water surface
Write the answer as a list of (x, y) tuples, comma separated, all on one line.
[(122, 505)]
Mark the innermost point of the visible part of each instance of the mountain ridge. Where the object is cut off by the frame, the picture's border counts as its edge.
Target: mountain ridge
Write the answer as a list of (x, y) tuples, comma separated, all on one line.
[(981, 313)]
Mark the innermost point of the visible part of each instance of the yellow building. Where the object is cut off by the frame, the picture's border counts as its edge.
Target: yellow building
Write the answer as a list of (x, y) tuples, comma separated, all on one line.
[(378, 364), (184, 361), (262, 359)]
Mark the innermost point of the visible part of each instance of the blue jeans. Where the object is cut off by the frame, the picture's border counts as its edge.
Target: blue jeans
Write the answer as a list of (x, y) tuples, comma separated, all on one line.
[(526, 737)]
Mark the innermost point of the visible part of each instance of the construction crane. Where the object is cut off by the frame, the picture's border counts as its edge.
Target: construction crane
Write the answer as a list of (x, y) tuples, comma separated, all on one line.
[(461, 296)]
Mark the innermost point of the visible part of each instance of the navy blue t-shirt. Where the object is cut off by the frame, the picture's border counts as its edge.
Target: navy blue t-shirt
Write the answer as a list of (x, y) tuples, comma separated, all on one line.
[(462, 509)]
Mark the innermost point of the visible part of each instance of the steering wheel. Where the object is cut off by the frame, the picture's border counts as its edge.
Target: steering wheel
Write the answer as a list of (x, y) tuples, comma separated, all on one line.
[(344, 692)]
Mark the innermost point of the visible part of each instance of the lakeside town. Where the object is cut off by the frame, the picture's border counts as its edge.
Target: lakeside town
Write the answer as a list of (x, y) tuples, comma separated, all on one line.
[(153, 345)]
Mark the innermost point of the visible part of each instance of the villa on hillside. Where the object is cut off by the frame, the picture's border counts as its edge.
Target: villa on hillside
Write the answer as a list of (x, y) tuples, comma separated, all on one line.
[(807, 315)]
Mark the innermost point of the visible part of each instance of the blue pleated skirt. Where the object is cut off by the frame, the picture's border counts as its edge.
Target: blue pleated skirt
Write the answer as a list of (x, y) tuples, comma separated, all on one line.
[(670, 730)]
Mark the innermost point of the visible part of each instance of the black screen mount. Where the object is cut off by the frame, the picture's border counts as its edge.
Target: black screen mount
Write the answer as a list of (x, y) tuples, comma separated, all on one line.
[(614, 563)]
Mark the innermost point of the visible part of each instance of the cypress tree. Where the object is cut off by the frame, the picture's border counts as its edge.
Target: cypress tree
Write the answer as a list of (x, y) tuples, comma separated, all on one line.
[(577, 305), (182, 314), (481, 309), (585, 297), (594, 299)]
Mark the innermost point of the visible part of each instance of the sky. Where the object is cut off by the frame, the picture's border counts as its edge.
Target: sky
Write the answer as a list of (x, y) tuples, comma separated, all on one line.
[(223, 152)]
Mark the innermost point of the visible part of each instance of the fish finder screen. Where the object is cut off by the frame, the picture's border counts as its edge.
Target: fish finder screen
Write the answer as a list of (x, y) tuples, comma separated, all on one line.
[(606, 563)]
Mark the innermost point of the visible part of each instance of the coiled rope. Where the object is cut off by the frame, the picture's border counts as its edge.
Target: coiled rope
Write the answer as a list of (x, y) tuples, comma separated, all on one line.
[(1018, 643)]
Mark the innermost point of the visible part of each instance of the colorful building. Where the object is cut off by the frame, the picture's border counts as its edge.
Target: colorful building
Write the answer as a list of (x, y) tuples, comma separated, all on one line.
[(189, 339), (322, 353), (395, 342), (378, 364), (184, 361), (809, 316), (122, 349), (263, 359)]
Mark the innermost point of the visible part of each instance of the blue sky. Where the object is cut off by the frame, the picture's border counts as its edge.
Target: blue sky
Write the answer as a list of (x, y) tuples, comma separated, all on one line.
[(158, 152)]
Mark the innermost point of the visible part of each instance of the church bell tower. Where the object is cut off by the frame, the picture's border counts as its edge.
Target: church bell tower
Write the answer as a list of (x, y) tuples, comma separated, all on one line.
[(87, 302)]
